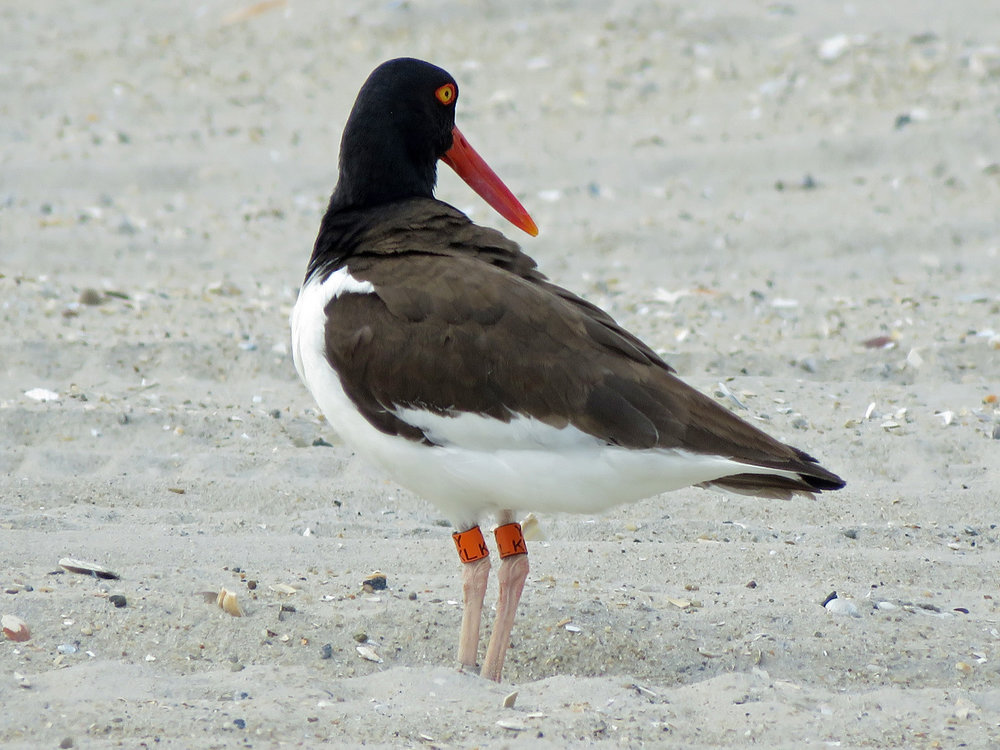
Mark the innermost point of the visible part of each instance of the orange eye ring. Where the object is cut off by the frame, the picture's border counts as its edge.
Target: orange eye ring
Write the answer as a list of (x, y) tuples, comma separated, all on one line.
[(446, 94)]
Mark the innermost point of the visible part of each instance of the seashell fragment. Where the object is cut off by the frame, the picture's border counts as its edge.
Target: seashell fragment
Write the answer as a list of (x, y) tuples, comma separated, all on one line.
[(15, 629), (837, 606), (226, 601), (642, 689), (725, 391), (513, 726), (283, 588), (510, 699), (248, 12), (367, 652), (41, 394), (531, 529), (84, 567)]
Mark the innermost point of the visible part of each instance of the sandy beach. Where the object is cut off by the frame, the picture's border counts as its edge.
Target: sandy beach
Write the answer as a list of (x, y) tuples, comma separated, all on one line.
[(795, 203)]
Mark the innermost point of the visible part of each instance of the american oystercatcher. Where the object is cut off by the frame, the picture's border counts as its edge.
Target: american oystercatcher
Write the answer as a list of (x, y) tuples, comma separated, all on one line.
[(437, 350)]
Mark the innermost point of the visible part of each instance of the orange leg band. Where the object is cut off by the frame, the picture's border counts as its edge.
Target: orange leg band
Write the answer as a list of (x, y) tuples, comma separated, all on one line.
[(510, 540), (470, 545)]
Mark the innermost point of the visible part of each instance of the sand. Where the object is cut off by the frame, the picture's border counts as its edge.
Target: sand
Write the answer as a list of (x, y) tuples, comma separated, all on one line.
[(756, 189)]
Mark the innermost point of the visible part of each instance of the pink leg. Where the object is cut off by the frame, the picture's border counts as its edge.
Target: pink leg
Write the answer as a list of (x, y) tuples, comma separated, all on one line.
[(474, 554), (511, 577), (474, 578)]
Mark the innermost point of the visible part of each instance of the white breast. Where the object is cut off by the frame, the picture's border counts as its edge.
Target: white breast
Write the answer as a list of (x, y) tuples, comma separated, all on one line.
[(309, 314)]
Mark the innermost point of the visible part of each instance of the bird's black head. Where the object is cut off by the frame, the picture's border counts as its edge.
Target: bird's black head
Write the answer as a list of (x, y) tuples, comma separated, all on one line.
[(400, 126)]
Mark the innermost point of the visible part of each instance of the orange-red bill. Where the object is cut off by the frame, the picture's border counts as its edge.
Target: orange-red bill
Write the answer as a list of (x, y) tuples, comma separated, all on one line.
[(477, 174)]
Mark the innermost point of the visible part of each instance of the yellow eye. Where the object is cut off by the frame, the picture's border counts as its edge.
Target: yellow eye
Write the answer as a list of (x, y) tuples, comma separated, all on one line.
[(446, 94)]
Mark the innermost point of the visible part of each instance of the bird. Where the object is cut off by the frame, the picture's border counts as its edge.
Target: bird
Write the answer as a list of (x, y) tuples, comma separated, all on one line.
[(438, 351)]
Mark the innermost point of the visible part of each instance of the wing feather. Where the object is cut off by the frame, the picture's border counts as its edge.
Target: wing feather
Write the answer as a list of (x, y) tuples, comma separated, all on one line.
[(471, 326)]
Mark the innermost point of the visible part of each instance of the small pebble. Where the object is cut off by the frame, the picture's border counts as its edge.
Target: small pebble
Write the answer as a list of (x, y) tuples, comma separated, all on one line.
[(413, 596), (240, 723), (118, 600), (326, 651), (879, 342), (375, 582), (90, 296), (834, 47), (66, 742), (127, 226), (850, 533)]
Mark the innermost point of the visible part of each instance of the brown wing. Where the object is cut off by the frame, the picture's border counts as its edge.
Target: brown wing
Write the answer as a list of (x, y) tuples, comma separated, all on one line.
[(473, 327)]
